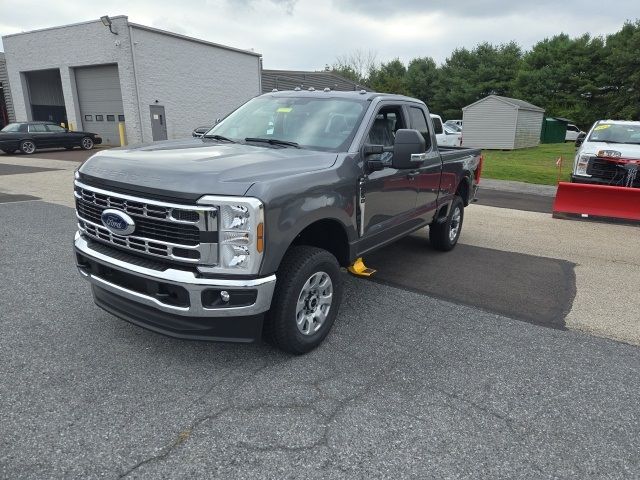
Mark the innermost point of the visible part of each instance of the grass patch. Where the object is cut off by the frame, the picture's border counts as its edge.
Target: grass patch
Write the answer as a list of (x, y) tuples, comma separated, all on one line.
[(531, 165)]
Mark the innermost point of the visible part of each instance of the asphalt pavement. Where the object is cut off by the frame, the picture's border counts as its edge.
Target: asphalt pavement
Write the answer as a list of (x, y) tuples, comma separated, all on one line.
[(406, 386)]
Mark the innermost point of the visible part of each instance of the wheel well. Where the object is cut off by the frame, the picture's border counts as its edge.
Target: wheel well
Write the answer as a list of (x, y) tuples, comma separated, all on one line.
[(463, 191), (329, 235)]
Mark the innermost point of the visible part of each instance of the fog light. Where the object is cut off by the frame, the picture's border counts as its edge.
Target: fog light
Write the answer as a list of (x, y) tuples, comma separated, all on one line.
[(224, 295)]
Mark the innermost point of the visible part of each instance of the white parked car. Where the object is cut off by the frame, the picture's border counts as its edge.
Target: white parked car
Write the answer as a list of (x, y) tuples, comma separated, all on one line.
[(572, 133), (442, 137)]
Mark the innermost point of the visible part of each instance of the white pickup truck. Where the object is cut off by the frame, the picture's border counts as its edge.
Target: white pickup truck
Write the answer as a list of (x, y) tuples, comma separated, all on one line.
[(609, 154)]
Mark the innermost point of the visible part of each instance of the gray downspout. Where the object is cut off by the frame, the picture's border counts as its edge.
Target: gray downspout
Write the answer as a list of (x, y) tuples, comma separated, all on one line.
[(135, 80)]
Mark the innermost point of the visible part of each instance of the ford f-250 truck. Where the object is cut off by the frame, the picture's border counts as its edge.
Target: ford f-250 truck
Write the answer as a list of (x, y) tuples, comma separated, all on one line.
[(241, 234)]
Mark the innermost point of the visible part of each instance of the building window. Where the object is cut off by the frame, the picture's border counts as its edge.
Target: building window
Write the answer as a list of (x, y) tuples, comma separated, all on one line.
[(111, 118), (88, 117), (121, 118), (99, 118)]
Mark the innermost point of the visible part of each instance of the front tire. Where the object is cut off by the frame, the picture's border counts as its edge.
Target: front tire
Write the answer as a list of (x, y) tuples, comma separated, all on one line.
[(27, 147), (306, 300), (86, 143), (444, 236)]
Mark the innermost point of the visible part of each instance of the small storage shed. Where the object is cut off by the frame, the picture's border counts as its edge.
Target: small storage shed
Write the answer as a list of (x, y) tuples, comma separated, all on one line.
[(554, 129), (496, 122)]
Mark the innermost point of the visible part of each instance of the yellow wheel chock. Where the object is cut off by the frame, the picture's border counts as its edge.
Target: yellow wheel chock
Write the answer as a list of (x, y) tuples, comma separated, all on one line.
[(358, 268)]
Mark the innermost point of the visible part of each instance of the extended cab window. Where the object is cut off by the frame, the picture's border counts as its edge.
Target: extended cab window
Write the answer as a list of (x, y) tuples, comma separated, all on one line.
[(419, 122), (437, 125)]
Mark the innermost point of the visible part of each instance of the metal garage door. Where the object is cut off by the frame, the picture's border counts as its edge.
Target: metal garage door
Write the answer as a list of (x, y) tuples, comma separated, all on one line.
[(100, 101)]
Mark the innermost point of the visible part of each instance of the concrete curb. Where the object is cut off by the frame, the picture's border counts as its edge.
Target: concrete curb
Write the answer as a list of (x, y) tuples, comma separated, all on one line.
[(518, 187)]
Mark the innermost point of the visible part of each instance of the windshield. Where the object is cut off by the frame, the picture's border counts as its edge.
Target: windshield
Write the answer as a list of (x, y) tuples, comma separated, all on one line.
[(616, 133), (313, 123), (12, 127)]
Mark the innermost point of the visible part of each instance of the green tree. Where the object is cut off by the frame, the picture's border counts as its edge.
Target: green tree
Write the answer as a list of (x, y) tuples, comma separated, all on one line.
[(469, 75), (422, 79), (389, 77), (563, 75), (618, 95)]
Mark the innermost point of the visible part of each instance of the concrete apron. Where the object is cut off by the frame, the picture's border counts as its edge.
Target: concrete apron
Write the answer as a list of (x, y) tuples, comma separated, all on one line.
[(51, 186), (607, 259)]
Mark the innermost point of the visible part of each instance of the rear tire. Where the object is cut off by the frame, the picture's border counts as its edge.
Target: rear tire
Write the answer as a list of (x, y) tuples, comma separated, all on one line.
[(306, 300), (444, 236), (86, 143), (27, 147)]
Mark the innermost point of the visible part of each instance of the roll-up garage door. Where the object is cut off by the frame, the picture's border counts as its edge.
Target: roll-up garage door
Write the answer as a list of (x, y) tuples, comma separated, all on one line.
[(100, 101)]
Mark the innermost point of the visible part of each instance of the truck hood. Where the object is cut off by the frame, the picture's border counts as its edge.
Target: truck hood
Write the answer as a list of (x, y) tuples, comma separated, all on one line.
[(193, 167), (626, 150)]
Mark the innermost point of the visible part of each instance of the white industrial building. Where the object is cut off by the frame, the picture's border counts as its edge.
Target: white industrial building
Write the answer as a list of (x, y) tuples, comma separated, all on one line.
[(496, 122), (95, 74)]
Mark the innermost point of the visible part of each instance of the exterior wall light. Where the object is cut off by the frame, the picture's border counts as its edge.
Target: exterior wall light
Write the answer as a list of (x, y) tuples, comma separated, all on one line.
[(106, 21)]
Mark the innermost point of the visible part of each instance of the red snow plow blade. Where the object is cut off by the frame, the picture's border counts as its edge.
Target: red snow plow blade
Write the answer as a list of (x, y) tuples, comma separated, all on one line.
[(599, 201)]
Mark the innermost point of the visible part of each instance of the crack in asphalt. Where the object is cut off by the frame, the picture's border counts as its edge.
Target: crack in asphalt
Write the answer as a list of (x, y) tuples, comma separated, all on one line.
[(186, 432)]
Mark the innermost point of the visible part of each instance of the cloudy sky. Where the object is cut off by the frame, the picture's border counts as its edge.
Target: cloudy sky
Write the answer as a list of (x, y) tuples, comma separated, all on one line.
[(302, 34)]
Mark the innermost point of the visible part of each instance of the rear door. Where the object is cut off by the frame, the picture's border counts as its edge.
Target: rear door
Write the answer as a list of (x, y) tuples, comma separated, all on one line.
[(40, 135), (430, 172)]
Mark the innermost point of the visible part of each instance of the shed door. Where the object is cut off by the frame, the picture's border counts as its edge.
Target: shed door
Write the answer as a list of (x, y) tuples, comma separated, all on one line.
[(158, 122), (100, 101)]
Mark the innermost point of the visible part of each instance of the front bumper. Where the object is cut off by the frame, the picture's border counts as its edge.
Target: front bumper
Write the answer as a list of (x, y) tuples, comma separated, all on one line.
[(173, 301)]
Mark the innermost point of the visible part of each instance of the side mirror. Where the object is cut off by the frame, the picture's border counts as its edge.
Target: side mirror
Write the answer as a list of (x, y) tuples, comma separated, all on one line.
[(408, 149), (580, 140)]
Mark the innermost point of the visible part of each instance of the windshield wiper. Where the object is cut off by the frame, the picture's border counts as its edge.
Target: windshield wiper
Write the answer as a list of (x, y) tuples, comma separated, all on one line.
[(272, 141), (219, 138)]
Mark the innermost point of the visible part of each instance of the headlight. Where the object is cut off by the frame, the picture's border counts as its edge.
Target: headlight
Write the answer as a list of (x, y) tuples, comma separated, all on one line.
[(582, 164), (240, 234)]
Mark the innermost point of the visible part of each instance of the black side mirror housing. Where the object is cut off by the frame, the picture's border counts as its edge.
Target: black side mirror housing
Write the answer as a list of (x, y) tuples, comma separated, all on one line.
[(580, 140), (408, 149)]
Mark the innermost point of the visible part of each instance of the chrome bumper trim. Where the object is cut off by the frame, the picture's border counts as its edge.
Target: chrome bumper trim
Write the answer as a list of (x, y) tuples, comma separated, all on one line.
[(182, 278)]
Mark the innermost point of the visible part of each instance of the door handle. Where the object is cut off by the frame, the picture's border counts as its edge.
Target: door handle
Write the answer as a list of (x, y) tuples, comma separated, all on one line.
[(412, 175)]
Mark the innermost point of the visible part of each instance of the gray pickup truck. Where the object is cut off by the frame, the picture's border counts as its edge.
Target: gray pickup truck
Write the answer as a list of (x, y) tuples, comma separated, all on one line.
[(240, 235)]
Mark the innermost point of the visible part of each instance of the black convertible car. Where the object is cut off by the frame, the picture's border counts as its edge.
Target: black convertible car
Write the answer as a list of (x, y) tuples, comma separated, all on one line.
[(29, 136)]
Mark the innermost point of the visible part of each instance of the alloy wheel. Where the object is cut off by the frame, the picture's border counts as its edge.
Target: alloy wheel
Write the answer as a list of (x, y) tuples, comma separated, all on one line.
[(314, 303)]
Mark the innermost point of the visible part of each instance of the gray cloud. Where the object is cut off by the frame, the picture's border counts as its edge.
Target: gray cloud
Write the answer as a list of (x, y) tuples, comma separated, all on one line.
[(486, 8), (306, 34)]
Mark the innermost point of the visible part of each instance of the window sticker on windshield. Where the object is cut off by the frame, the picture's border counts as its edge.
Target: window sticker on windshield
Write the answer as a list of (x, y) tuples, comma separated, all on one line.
[(601, 127), (284, 109)]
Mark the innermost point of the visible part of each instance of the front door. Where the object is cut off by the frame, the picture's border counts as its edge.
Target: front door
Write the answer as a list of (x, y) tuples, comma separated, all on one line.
[(158, 123), (390, 194)]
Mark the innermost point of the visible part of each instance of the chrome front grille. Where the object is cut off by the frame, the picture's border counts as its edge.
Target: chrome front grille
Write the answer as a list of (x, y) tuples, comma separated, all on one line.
[(180, 232)]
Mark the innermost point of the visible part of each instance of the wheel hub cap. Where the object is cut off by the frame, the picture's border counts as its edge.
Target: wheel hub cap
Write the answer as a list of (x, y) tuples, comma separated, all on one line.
[(314, 303)]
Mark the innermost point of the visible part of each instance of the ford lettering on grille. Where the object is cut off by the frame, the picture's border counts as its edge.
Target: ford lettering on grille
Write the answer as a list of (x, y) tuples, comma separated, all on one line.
[(117, 222)]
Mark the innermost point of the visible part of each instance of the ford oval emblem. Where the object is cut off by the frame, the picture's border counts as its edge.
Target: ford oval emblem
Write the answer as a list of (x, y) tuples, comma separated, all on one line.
[(117, 222)]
